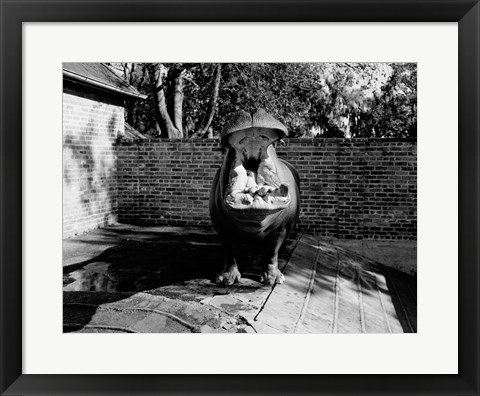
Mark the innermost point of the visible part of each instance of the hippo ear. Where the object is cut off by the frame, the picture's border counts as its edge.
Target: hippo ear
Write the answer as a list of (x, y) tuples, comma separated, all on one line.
[(261, 119)]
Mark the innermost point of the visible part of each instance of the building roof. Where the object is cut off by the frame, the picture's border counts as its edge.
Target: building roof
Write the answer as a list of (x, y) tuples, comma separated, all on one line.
[(100, 76)]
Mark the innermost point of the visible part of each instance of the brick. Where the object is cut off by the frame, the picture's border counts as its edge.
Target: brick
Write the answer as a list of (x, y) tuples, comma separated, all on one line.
[(343, 183)]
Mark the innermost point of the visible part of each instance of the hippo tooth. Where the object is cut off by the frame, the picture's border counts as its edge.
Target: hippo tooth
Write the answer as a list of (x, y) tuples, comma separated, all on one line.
[(251, 184), (269, 199), (264, 190), (248, 198)]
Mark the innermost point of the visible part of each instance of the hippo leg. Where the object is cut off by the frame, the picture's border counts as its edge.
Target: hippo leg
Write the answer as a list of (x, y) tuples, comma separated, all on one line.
[(230, 273), (272, 274)]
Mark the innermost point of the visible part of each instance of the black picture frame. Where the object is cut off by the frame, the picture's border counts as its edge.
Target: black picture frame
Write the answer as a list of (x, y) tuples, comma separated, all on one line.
[(14, 13)]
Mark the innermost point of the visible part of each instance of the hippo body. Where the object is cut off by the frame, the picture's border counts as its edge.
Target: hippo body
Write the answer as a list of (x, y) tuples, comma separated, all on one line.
[(255, 197)]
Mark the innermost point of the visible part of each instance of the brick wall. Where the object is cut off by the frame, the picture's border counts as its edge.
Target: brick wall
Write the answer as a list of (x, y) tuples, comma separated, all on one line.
[(90, 126), (361, 189)]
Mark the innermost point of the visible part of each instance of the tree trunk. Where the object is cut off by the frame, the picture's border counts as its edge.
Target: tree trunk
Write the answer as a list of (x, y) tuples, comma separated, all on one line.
[(144, 73), (207, 120), (132, 71), (128, 76), (161, 113), (178, 102)]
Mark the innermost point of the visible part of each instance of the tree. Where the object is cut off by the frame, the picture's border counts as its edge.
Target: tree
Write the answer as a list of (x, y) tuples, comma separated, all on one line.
[(167, 127), (312, 99), (212, 104), (395, 114)]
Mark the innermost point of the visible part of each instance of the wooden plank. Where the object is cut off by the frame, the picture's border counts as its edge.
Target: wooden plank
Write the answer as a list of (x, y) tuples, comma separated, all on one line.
[(348, 318), (283, 309), (375, 321), (330, 289), (366, 303), (320, 314)]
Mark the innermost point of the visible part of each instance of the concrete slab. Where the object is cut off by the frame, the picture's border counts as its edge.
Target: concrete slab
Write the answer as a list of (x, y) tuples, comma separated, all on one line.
[(142, 313)]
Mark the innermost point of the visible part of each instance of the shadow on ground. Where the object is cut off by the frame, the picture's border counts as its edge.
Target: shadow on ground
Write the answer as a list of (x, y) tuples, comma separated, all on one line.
[(118, 262), (160, 279), (144, 260), (133, 266)]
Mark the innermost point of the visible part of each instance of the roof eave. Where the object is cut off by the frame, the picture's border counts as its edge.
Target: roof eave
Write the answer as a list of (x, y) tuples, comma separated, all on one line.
[(99, 84)]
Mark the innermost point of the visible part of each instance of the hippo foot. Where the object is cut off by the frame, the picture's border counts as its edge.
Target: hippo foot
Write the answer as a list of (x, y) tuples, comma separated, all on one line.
[(273, 276), (228, 277)]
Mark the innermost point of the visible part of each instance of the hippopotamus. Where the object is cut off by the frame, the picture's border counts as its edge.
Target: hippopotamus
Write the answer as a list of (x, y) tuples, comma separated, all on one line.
[(255, 196)]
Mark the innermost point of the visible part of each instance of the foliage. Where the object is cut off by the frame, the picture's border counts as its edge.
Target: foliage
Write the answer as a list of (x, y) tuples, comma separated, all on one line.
[(311, 99)]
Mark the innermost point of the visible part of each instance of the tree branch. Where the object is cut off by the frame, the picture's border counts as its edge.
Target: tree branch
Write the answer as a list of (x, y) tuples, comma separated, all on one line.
[(178, 102), (207, 120), (161, 113)]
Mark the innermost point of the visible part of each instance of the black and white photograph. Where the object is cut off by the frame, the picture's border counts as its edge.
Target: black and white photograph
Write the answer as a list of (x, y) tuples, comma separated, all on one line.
[(245, 197), (259, 198)]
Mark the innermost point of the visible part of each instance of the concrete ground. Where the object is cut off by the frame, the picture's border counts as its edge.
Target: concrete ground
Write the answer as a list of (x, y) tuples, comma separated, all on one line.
[(159, 279)]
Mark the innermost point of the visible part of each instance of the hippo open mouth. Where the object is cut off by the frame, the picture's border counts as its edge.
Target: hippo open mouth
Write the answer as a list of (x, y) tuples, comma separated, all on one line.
[(254, 180)]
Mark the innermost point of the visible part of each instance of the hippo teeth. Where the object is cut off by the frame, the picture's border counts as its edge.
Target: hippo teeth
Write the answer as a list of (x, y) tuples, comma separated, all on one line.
[(258, 196), (253, 179)]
